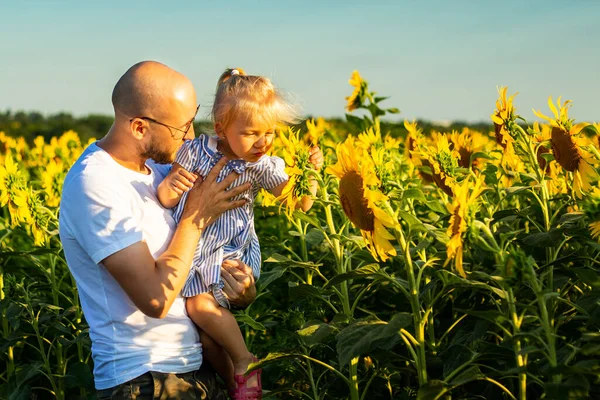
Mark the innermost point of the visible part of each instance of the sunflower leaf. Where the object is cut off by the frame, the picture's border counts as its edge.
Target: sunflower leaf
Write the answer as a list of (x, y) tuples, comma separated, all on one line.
[(364, 336), (362, 272), (251, 322)]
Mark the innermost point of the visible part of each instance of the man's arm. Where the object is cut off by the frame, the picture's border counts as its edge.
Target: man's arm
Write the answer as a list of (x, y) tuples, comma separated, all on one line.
[(153, 285)]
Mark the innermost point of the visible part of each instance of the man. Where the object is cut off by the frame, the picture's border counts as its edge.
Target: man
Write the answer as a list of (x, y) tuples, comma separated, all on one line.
[(127, 255)]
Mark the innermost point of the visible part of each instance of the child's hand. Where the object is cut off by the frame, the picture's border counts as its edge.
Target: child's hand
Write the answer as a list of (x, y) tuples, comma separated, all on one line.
[(180, 181), (316, 157)]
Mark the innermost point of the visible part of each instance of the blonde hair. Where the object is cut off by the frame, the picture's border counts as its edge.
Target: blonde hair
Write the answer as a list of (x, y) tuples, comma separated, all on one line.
[(253, 97)]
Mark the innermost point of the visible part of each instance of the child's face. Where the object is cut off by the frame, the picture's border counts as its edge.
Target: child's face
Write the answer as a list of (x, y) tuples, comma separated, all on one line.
[(247, 139)]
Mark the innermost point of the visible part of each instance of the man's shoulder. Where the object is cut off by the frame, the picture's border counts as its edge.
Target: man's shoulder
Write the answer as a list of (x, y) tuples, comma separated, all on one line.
[(92, 168)]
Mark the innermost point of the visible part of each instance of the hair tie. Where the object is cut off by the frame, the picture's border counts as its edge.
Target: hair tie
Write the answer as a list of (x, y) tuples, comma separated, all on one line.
[(235, 72)]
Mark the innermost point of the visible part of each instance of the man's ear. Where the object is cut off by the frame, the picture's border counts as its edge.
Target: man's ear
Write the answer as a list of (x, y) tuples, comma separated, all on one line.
[(139, 128)]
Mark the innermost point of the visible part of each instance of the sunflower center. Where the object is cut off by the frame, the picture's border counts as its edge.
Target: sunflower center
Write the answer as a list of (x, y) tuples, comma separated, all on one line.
[(565, 151), (456, 220), (499, 135), (465, 157), (354, 203)]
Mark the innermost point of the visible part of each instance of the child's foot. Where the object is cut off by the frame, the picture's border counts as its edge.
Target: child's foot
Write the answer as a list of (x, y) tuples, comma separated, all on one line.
[(248, 387)]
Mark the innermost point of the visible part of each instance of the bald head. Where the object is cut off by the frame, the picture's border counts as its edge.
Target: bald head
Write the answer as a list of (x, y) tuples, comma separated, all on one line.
[(150, 88)]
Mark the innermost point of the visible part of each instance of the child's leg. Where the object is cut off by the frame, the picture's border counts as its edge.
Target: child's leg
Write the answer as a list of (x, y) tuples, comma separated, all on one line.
[(218, 358), (222, 327)]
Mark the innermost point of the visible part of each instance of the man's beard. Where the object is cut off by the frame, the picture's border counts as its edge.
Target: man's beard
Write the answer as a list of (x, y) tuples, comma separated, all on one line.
[(155, 153)]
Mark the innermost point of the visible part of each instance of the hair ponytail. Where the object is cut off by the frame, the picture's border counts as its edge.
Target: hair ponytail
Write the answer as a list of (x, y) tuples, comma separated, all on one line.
[(228, 74)]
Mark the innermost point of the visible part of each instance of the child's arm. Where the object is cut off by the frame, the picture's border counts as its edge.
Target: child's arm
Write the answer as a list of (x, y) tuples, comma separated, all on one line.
[(305, 203), (174, 185)]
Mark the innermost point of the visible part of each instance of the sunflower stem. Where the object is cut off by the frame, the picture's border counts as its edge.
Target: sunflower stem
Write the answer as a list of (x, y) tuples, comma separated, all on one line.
[(418, 320), (520, 359), (304, 251), (547, 322), (10, 362), (338, 253)]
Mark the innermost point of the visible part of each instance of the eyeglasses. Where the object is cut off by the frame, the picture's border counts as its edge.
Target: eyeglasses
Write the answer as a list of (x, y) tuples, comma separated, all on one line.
[(184, 131)]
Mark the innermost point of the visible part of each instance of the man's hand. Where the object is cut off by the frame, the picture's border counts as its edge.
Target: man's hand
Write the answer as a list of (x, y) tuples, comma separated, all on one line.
[(207, 200), (239, 282)]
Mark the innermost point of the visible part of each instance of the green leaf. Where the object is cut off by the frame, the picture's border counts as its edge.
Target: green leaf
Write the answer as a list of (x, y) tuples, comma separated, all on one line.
[(307, 218), (455, 357), (27, 372), (274, 357), (571, 217), (432, 390), (363, 336), (468, 375), (495, 317), (358, 122), (412, 221), (452, 279), (551, 238), (588, 276), (315, 332), (21, 393), (304, 291), (439, 234), (243, 318), (481, 154), (516, 189), (362, 272), (591, 130), (415, 194), (268, 277), (278, 258), (79, 375), (314, 237), (393, 110)]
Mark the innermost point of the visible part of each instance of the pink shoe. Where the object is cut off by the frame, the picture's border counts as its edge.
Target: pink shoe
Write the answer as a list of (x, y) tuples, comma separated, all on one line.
[(243, 392)]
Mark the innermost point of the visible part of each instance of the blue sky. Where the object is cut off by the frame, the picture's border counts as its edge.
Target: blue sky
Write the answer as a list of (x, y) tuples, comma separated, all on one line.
[(437, 60)]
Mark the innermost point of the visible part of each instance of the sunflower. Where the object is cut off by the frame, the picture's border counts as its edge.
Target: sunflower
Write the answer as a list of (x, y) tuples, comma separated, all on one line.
[(266, 198), (296, 154), (316, 129), (595, 229), (504, 114), (591, 209), (467, 143), (541, 135), (461, 210), (443, 163), (369, 138), (566, 146), (39, 216), (69, 146), (503, 118), (355, 100), (361, 199), (18, 207), (391, 143), (52, 180)]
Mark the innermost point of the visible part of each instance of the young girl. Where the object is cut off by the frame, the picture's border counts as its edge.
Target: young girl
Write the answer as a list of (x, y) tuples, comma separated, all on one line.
[(246, 112)]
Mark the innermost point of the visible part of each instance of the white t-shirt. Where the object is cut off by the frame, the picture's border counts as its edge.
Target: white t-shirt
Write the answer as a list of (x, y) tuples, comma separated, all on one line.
[(105, 208)]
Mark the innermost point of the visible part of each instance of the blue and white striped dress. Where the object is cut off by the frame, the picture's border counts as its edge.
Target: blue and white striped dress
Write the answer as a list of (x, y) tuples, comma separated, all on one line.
[(232, 235)]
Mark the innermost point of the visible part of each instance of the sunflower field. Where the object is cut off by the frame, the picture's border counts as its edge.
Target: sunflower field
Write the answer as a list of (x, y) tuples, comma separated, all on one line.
[(435, 265)]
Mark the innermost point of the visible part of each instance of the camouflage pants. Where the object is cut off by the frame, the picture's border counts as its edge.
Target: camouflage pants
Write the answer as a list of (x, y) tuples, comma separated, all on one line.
[(201, 384)]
